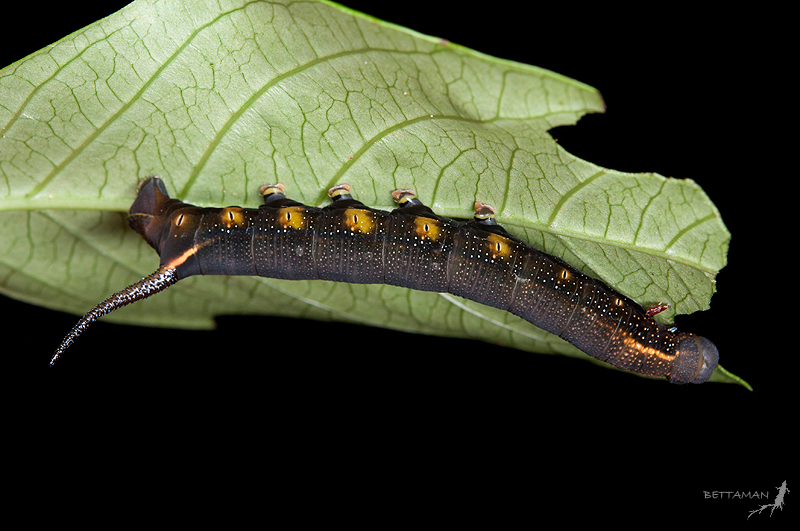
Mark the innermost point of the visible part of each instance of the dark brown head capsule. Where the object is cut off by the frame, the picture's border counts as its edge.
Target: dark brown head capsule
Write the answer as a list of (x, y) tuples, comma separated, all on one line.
[(695, 360)]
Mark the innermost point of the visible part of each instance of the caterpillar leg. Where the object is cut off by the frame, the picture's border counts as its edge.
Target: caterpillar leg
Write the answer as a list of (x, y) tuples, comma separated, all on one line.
[(340, 192), (408, 203), (272, 192), (656, 309), (484, 214), (405, 197)]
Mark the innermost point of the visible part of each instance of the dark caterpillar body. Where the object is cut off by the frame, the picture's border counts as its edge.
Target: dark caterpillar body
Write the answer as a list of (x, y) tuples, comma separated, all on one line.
[(410, 247)]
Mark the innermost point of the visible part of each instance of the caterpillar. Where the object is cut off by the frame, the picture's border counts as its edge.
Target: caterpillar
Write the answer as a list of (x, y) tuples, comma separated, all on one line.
[(412, 247)]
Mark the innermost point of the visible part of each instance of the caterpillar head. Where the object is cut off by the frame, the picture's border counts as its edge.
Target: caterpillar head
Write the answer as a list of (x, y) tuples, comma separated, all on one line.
[(695, 360)]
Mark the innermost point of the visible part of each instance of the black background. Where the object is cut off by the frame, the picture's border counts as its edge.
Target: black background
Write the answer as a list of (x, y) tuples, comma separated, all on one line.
[(399, 422)]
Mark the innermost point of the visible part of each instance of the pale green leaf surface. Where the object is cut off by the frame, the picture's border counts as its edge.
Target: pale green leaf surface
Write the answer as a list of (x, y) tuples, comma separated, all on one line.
[(220, 100)]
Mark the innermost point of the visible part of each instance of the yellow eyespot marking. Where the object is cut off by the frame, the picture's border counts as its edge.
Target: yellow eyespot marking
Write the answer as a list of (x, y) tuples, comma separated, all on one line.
[(179, 220), (358, 220), (499, 246), (232, 217), (426, 228), (619, 302), (292, 217), (565, 275)]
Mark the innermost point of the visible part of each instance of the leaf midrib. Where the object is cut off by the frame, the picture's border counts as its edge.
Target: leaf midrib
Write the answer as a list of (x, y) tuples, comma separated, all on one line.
[(123, 205)]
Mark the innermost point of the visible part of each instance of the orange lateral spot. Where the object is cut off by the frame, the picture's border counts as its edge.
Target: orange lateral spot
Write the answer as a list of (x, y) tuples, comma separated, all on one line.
[(499, 246), (358, 220), (293, 217), (426, 228), (232, 217)]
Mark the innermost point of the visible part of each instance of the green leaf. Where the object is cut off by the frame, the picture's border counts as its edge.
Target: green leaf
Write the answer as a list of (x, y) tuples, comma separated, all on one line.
[(219, 100)]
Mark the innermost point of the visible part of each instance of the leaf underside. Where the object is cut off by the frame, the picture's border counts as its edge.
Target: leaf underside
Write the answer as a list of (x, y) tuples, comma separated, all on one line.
[(220, 99)]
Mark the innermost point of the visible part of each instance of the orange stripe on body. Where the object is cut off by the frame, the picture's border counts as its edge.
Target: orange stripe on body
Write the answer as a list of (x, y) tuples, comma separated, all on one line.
[(179, 260)]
